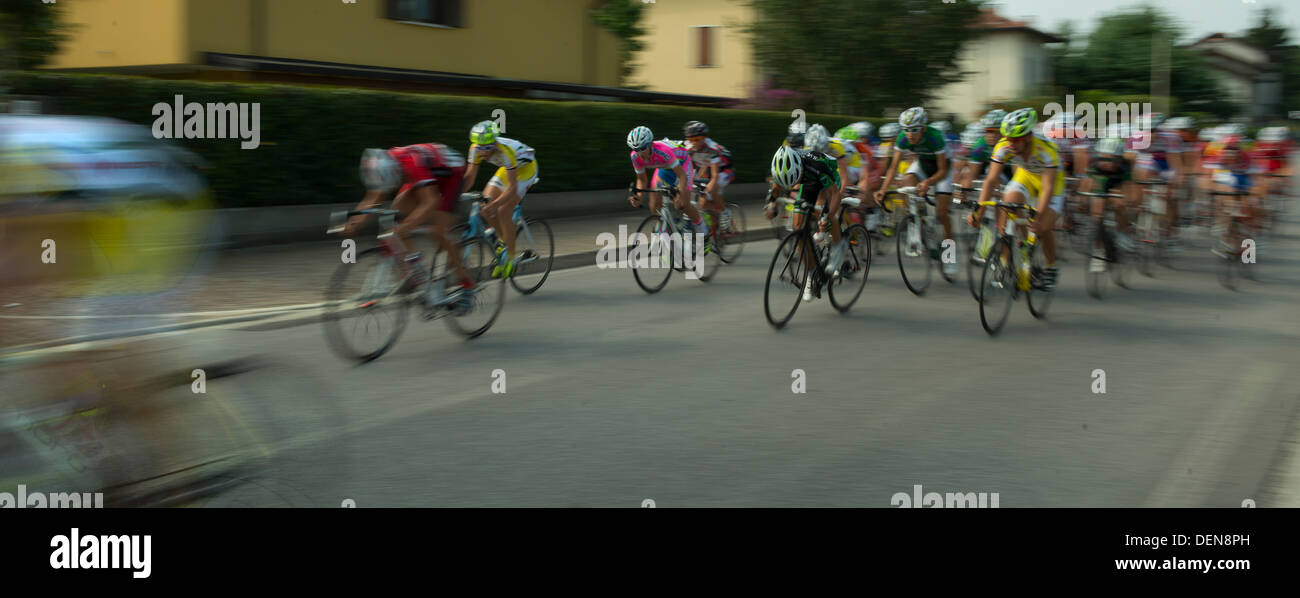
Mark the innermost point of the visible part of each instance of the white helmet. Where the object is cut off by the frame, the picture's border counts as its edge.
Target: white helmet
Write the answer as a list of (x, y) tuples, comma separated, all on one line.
[(864, 129), (993, 119), (1270, 134), (944, 126), (1179, 123), (787, 167), (640, 138), (970, 137), (889, 131), (912, 117), (818, 139), (379, 170), (1110, 146)]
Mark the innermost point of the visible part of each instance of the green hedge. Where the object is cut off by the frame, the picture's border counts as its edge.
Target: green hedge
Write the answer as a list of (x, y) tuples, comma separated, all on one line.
[(311, 137)]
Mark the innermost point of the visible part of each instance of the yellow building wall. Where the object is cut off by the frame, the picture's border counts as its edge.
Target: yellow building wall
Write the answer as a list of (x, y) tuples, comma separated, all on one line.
[(550, 40), (666, 64), (115, 33)]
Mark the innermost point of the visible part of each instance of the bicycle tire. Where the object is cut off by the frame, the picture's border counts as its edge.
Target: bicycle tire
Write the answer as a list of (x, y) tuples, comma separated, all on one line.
[(1039, 300), (543, 246), (922, 264), (992, 316), (335, 301), (651, 277), (854, 270), (793, 273), (733, 241), (489, 293)]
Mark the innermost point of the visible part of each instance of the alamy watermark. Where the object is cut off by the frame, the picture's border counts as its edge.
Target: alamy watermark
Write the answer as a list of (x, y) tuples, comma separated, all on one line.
[(651, 251), (54, 500), (917, 499), (1093, 120), (214, 120)]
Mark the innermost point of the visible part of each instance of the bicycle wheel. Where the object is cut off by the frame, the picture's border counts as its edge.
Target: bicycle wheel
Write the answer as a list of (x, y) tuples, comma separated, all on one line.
[(914, 268), (711, 259), (786, 277), (1039, 300), (366, 306), (973, 267), (537, 245), (853, 272), (997, 288), (489, 295), (650, 254), (732, 240)]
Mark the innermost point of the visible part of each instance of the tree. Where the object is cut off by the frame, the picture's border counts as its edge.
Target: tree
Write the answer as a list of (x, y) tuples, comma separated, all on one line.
[(1118, 58), (623, 19), (30, 32), (823, 48), (1275, 41)]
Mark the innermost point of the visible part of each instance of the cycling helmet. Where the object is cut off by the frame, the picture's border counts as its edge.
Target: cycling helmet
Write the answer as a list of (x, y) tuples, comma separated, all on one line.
[(817, 139), (970, 136), (787, 167), (1019, 123), (889, 131), (1179, 123), (864, 129), (847, 133), (993, 120), (379, 170), (944, 126), (912, 117), (640, 138), (483, 133), (695, 128), (1110, 146), (1272, 134)]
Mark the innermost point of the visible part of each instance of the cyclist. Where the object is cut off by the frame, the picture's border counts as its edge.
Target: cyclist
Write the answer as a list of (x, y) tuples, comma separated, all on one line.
[(818, 179), (1232, 172), (885, 150), (819, 140), (980, 152), (672, 166), (430, 176), (516, 173), (1039, 173), (929, 170), (1158, 155), (712, 162), (1111, 172)]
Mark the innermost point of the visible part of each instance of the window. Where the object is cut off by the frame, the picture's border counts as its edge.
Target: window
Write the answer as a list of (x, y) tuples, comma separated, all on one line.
[(704, 52), (445, 13)]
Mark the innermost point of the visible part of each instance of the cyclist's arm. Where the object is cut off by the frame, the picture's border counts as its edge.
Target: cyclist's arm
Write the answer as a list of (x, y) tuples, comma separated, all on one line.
[(939, 175), (842, 164), (683, 183), (890, 171), (642, 182), (426, 198), (471, 172), (714, 168), (990, 181)]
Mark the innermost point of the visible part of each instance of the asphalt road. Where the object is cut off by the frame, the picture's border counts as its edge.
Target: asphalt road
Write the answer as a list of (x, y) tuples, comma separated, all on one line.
[(685, 398)]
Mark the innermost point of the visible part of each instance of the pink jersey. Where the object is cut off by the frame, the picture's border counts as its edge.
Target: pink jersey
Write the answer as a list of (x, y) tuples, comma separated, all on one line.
[(666, 156)]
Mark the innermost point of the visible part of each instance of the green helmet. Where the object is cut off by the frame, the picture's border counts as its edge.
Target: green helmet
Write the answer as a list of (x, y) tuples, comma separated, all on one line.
[(1019, 123), (847, 133), (483, 133)]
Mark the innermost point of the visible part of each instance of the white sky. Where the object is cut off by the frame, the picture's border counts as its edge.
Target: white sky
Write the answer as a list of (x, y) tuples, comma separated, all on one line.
[(1197, 17)]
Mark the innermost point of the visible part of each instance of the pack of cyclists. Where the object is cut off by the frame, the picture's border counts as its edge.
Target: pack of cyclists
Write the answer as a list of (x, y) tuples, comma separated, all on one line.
[(1011, 153)]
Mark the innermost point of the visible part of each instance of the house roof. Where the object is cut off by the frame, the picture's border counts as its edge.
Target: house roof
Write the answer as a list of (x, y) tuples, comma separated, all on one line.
[(992, 21)]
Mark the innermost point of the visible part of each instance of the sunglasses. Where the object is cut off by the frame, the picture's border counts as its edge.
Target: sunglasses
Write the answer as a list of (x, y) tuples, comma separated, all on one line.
[(695, 138), (913, 129), (486, 149)]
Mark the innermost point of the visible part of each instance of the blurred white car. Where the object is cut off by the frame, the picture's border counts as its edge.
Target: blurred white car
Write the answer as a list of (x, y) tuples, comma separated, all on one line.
[(91, 158)]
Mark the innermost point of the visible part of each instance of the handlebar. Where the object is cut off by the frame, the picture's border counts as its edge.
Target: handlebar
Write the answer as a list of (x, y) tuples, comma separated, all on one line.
[(1016, 207)]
